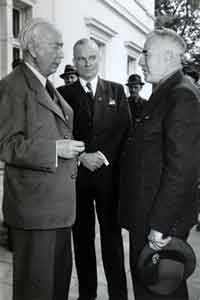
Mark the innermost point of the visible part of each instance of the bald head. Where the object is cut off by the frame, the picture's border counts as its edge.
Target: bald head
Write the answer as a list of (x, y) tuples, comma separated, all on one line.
[(163, 53), (42, 45), (86, 58)]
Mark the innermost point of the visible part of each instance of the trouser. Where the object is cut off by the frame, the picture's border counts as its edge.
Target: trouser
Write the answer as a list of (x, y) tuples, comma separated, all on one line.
[(42, 264), (111, 243)]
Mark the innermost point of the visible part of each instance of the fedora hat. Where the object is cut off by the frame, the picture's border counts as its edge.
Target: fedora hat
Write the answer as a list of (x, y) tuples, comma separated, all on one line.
[(69, 69), (134, 79), (162, 272)]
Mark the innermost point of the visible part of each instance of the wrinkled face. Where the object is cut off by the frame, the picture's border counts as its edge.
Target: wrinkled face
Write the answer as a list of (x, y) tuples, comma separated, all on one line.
[(86, 60), (134, 89), (47, 51), (71, 78), (153, 60)]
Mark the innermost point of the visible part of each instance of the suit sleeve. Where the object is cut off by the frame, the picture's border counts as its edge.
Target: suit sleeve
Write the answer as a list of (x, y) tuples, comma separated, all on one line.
[(181, 151), (16, 148)]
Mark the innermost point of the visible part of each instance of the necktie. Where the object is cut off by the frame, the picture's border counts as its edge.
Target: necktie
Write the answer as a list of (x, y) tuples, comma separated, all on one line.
[(50, 90), (89, 86)]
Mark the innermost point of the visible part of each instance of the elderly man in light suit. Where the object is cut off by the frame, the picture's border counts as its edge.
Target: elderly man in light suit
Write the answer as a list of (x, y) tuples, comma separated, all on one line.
[(39, 152)]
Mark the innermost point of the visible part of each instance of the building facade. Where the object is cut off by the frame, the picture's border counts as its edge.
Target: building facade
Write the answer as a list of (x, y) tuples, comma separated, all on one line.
[(118, 26)]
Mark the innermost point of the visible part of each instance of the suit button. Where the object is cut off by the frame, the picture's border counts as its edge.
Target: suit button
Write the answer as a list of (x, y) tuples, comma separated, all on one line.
[(66, 137), (73, 176), (130, 139)]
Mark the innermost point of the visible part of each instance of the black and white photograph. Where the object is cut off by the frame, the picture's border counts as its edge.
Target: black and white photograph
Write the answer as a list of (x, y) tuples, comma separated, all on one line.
[(100, 150)]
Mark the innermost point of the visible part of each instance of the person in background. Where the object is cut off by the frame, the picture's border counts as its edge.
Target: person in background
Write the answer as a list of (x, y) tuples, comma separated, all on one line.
[(102, 121), (70, 75), (136, 103), (40, 159), (159, 165)]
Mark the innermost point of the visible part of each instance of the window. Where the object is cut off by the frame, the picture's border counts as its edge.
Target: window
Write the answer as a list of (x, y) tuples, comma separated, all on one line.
[(20, 14), (101, 34), (131, 65), (16, 22), (102, 50)]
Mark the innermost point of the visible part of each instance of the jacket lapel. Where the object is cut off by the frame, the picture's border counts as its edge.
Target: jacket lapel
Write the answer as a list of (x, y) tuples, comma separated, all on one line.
[(100, 104), (160, 93), (42, 95)]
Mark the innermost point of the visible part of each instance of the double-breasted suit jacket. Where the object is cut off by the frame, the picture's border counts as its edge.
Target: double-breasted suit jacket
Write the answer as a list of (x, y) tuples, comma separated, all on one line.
[(160, 161), (37, 194)]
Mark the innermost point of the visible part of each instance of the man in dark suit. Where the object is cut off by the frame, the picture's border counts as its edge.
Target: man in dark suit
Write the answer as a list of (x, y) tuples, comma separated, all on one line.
[(101, 120), (136, 102), (39, 152), (160, 160)]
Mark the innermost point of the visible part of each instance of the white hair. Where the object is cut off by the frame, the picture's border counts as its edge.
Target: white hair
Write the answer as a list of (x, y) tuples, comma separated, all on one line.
[(27, 33), (163, 32)]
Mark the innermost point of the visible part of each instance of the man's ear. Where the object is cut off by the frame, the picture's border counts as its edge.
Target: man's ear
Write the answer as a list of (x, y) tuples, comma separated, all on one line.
[(31, 49)]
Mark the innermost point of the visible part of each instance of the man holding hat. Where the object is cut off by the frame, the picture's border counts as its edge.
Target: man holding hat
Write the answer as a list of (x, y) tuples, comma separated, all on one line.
[(159, 165), (136, 103)]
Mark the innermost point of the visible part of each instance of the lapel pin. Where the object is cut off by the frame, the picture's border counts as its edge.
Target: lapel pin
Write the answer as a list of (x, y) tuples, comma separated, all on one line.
[(100, 99), (112, 101)]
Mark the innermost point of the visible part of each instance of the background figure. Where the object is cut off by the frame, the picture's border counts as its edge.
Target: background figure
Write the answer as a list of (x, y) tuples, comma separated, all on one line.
[(101, 120), (70, 75), (40, 168), (160, 162), (136, 103)]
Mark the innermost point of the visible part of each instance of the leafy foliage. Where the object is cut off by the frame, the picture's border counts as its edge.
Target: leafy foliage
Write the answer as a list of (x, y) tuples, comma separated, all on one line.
[(184, 17)]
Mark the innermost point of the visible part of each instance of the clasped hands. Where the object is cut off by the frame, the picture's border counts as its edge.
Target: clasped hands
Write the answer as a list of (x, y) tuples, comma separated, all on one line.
[(68, 148), (92, 161), (156, 240)]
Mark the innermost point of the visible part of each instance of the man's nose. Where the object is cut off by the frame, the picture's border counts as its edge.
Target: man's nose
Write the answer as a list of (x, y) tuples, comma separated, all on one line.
[(87, 62)]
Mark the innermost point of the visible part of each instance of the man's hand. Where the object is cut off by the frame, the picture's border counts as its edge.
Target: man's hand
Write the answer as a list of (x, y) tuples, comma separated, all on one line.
[(156, 240), (69, 148), (91, 161)]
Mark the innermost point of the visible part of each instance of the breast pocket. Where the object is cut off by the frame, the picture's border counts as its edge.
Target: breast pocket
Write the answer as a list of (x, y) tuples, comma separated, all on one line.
[(152, 128)]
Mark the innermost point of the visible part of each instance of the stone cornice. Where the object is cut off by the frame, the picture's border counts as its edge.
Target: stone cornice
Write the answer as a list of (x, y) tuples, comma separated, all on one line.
[(99, 30), (126, 14)]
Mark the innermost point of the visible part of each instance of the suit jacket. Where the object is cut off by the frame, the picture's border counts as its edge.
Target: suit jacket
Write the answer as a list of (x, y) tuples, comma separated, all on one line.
[(160, 161), (37, 194), (106, 129)]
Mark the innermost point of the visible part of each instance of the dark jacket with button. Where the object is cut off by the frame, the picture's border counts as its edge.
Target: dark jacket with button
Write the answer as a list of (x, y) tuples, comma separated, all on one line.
[(160, 160), (106, 128), (136, 107), (37, 195)]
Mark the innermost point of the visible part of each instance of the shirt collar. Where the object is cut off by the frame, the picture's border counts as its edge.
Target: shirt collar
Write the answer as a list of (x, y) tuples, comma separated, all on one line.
[(93, 84), (41, 78)]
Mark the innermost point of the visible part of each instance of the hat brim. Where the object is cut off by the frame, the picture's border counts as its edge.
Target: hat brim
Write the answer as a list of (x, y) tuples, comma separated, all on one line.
[(68, 73), (182, 270), (134, 83)]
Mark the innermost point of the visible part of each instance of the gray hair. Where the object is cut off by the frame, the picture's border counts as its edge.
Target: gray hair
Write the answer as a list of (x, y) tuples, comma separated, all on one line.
[(27, 33), (163, 32)]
